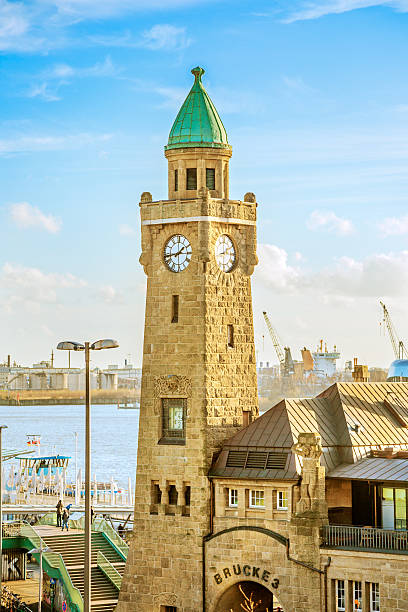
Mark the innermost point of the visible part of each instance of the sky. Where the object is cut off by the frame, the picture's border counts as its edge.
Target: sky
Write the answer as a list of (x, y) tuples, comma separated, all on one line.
[(314, 98)]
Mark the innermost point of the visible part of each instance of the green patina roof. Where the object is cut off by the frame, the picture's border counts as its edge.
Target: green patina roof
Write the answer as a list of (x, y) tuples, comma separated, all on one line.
[(198, 124)]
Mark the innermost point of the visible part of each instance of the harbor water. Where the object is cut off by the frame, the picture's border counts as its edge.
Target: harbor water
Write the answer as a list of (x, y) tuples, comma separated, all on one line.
[(114, 437)]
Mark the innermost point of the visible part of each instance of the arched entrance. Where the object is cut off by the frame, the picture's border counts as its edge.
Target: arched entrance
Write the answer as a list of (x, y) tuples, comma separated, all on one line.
[(245, 596)]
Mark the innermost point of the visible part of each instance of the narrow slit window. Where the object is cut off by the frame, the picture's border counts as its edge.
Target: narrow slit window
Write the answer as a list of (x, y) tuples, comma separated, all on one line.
[(173, 495), (174, 308), (176, 180), (230, 336), (187, 495), (191, 178), (157, 495), (246, 418), (210, 178)]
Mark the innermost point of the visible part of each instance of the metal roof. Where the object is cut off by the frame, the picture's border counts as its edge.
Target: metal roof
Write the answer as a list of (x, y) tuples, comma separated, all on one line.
[(352, 419), (198, 124), (373, 468)]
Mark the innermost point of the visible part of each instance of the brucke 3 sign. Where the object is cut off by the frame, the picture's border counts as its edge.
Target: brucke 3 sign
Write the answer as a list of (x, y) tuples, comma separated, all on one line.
[(248, 571)]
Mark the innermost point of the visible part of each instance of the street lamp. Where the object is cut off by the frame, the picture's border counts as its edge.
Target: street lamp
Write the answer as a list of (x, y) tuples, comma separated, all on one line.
[(1, 508), (39, 551), (87, 347)]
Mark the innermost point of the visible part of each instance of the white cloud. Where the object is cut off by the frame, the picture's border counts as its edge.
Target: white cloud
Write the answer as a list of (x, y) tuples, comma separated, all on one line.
[(92, 9), (381, 274), (126, 230), (328, 220), (108, 294), (43, 91), (14, 25), (394, 226), (26, 144), (165, 37), (25, 215), (314, 10), (32, 286)]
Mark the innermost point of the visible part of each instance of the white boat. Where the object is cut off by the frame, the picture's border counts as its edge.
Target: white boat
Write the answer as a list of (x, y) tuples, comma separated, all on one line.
[(132, 406)]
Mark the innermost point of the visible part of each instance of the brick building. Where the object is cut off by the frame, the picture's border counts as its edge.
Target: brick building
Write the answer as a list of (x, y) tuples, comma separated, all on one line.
[(300, 508)]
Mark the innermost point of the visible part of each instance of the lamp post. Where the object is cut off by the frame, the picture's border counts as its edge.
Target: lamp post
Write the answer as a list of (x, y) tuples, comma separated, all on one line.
[(39, 551), (87, 347), (1, 509)]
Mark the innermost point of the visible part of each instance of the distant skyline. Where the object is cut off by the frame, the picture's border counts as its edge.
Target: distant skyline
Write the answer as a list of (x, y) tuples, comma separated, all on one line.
[(314, 98)]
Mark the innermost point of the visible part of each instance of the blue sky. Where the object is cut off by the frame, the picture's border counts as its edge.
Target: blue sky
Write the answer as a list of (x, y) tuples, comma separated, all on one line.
[(314, 97)]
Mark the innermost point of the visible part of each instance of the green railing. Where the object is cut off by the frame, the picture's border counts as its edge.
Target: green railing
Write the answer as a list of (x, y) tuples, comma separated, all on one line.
[(102, 525), (52, 559), (109, 570)]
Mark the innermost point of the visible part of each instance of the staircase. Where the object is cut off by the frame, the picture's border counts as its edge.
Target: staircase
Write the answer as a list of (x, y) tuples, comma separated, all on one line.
[(104, 594)]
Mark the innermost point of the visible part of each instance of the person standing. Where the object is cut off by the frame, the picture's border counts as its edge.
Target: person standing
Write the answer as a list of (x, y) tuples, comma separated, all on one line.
[(65, 519), (59, 513)]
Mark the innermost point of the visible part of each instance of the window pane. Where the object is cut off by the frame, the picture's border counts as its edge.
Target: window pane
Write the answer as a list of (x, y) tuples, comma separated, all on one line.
[(233, 497), (173, 418), (210, 178), (257, 499), (340, 596), (191, 178), (400, 509), (282, 500), (375, 597), (357, 596)]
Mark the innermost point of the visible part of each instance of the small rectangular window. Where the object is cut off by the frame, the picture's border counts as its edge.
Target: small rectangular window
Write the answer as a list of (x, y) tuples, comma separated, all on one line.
[(168, 609), (191, 178), (340, 596), (357, 596), (257, 499), (282, 500), (174, 308), (187, 495), (246, 418), (173, 419), (176, 180), (230, 336), (374, 597), (210, 178), (233, 498)]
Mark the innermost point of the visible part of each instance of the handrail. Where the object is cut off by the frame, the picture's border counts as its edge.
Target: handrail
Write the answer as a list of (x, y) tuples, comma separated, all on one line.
[(367, 538), (102, 525), (53, 559), (109, 570)]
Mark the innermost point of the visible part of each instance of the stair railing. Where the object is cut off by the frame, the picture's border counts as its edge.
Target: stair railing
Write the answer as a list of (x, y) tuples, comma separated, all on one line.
[(53, 559), (109, 570), (102, 525)]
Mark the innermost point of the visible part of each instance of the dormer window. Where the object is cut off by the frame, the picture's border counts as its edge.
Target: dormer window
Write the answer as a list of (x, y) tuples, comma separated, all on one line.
[(191, 179), (210, 178)]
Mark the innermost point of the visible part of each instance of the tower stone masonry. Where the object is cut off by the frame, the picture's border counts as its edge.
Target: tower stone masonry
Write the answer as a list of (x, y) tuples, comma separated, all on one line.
[(199, 381)]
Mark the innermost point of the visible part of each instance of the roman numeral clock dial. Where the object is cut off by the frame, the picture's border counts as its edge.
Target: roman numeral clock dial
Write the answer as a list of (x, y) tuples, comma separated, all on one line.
[(177, 253)]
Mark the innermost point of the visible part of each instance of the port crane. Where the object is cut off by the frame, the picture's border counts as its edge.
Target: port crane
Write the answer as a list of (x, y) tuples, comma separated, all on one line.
[(284, 355), (398, 346)]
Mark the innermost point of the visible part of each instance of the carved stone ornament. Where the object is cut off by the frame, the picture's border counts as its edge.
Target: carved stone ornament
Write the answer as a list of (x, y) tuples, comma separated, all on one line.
[(172, 385), (146, 197), (308, 446), (165, 599), (250, 197)]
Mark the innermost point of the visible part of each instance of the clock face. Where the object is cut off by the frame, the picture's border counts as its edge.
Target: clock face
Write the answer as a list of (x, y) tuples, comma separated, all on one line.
[(177, 253), (225, 254)]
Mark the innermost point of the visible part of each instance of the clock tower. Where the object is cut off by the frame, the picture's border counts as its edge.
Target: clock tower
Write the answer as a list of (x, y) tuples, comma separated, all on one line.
[(199, 382)]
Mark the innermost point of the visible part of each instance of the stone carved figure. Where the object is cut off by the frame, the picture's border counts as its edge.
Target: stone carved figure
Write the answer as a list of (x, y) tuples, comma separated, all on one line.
[(312, 488)]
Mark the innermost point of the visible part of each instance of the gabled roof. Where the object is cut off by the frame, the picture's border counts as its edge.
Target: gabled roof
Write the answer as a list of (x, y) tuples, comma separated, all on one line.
[(352, 419), (198, 124)]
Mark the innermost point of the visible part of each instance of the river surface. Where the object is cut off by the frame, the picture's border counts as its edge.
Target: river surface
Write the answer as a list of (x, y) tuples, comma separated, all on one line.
[(114, 437)]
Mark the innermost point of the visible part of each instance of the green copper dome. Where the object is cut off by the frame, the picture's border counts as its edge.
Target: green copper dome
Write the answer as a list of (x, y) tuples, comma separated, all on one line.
[(198, 124)]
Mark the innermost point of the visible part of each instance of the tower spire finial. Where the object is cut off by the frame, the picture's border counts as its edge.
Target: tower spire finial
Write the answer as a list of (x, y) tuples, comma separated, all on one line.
[(198, 72)]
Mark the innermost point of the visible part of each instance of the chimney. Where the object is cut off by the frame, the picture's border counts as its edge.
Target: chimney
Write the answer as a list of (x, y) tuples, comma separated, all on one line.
[(360, 372)]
